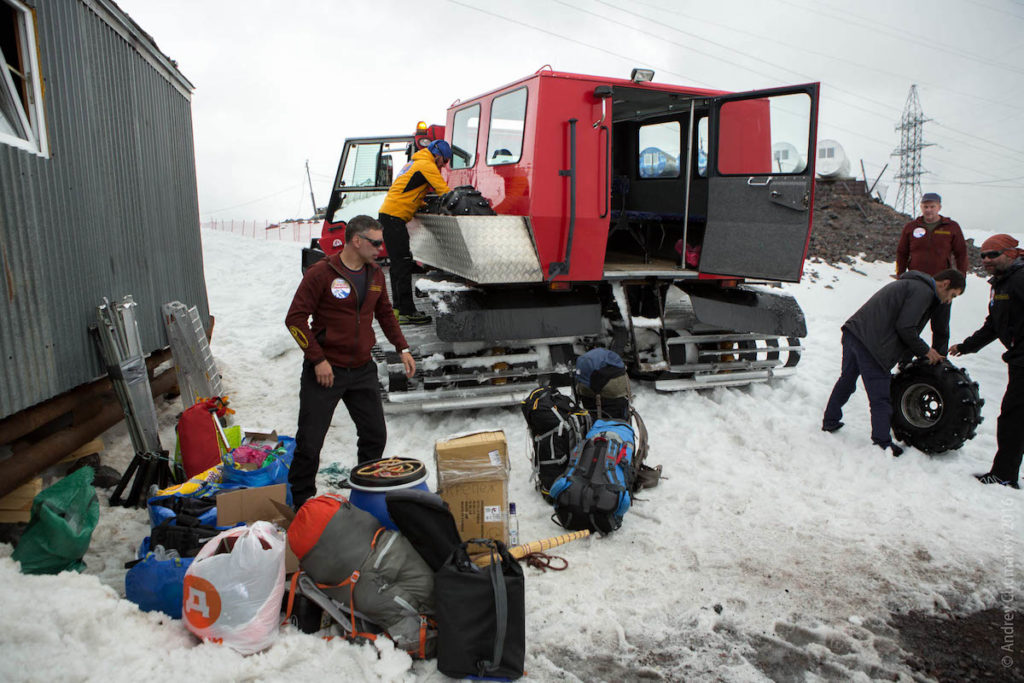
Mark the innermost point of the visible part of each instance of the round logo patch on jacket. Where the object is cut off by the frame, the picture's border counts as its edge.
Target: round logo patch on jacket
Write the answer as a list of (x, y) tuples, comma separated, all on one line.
[(341, 288), (919, 232)]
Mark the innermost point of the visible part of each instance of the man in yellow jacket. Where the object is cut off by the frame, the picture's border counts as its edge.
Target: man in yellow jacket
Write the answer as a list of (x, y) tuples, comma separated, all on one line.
[(423, 172)]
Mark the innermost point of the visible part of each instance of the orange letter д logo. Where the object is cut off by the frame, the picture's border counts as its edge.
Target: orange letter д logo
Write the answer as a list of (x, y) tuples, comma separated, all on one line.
[(200, 603)]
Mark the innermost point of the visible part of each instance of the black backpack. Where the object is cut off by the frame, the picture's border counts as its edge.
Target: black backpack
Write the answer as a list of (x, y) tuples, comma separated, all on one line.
[(187, 536), (556, 423)]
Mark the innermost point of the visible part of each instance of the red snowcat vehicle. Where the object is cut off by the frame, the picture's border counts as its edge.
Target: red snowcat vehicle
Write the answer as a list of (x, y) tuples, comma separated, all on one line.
[(653, 219)]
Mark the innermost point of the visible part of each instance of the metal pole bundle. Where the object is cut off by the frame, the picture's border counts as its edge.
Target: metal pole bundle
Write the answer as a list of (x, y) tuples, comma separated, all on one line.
[(117, 337)]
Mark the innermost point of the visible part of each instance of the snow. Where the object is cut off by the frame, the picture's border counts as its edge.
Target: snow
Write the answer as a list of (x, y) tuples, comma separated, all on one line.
[(769, 544)]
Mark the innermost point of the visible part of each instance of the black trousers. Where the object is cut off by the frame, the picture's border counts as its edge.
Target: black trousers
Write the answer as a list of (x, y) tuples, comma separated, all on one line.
[(396, 239), (940, 328), (1010, 427), (359, 389)]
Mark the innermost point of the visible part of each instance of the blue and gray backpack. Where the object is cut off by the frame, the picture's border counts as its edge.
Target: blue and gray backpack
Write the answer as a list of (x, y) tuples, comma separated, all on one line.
[(595, 491)]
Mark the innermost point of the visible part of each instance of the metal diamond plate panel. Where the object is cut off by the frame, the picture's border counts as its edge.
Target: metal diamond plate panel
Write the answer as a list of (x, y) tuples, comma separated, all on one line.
[(484, 249)]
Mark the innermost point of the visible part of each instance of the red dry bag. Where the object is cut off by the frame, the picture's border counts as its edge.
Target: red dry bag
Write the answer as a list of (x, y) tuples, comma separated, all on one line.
[(197, 435)]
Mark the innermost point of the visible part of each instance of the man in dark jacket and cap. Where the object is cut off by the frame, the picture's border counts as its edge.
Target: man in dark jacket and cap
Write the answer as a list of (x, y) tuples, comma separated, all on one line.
[(1002, 258), (882, 332)]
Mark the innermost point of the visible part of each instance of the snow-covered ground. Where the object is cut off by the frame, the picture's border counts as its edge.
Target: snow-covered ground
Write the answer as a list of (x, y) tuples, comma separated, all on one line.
[(770, 549)]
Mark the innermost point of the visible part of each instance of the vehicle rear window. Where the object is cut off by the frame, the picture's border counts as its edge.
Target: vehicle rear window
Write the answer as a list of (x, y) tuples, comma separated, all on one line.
[(659, 146), (765, 135)]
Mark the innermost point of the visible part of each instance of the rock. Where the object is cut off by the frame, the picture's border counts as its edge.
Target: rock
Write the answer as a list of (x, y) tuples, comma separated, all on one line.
[(847, 222), (105, 477)]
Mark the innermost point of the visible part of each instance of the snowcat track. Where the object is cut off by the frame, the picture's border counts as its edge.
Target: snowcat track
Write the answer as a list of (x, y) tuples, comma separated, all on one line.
[(471, 375)]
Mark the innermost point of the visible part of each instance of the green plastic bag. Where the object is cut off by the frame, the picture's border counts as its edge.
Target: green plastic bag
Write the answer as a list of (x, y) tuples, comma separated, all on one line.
[(63, 519)]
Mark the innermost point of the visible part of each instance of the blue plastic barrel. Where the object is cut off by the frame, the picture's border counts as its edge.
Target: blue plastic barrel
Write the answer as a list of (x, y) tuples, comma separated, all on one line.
[(372, 481)]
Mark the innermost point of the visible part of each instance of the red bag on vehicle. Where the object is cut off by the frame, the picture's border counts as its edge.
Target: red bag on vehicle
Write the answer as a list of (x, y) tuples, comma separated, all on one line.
[(197, 435)]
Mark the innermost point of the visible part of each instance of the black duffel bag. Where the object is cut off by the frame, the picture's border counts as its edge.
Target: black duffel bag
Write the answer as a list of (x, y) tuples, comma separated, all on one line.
[(481, 614)]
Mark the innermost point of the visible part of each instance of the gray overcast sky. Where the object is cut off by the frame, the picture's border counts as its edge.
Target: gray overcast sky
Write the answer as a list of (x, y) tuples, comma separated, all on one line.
[(278, 83)]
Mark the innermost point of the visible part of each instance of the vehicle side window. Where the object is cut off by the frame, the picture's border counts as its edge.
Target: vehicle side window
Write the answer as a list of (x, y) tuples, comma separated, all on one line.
[(465, 131), (659, 150), (361, 165), (505, 137)]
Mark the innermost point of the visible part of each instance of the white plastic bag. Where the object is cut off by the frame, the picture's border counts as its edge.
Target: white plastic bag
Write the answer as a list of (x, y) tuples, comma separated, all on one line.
[(233, 589)]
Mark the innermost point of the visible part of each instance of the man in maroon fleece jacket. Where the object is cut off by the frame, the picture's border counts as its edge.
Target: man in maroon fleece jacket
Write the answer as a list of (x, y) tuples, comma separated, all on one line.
[(932, 243), (342, 294)]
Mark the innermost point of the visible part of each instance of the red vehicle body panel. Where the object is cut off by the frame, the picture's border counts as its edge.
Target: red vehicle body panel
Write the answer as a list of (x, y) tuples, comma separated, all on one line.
[(533, 187)]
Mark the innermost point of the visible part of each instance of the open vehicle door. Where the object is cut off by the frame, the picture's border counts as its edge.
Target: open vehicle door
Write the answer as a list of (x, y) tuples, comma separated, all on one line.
[(761, 153), (366, 169)]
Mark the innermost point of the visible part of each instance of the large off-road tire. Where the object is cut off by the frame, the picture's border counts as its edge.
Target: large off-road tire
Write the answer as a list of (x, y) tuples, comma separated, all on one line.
[(935, 408)]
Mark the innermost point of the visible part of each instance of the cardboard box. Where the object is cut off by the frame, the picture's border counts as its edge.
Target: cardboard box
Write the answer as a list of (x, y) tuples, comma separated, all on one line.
[(260, 436), (472, 477), (265, 503)]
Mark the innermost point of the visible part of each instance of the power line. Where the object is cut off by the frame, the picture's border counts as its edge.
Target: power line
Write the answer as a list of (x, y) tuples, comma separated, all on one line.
[(662, 69), (976, 137), (724, 47), (858, 96), (731, 49), (903, 36), (994, 9), (939, 181), (254, 201), (578, 42), (835, 58)]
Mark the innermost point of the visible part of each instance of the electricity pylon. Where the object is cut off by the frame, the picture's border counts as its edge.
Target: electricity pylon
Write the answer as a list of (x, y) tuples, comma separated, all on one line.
[(911, 127)]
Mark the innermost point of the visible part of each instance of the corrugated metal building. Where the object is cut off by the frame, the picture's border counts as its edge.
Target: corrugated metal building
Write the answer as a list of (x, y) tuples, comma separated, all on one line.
[(97, 190)]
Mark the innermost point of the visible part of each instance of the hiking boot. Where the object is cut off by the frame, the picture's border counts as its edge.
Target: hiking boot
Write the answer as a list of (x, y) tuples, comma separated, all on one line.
[(993, 479), (832, 427), (897, 451), (648, 477), (416, 318)]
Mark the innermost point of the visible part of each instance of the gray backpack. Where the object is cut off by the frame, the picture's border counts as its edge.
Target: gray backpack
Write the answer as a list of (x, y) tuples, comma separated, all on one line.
[(373, 573)]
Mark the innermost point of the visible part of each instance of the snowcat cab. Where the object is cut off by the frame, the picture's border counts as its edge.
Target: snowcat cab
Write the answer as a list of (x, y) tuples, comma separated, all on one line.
[(365, 172), (652, 219)]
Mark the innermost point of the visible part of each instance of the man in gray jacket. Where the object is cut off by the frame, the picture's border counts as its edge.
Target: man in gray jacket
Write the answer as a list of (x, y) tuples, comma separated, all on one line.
[(883, 331)]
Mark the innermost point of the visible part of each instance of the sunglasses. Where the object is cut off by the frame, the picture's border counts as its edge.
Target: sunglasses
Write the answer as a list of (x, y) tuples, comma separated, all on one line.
[(991, 254), (376, 243)]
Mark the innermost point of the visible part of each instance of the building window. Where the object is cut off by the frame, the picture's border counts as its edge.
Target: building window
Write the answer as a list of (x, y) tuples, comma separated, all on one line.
[(505, 140), (22, 122)]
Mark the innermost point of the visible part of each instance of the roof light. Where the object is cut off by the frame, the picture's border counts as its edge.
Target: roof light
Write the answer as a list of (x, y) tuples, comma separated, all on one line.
[(642, 75), (421, 126)]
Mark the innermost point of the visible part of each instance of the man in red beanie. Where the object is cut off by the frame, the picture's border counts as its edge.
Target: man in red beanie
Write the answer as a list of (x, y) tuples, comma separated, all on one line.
[(1005, 322), (931, 243)]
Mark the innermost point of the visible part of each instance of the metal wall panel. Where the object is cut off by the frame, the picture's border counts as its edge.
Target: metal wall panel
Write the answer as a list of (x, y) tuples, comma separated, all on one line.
[(113, 211)]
